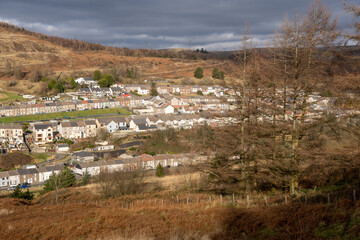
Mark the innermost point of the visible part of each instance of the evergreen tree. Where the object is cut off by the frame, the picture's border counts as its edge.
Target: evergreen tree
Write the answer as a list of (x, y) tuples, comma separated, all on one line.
[(86, 178), (160, 171), (216, 74), (64, 179), (18, 193), (97, 75), (73, 83), (199, 73), (60, 87), (153, 92)]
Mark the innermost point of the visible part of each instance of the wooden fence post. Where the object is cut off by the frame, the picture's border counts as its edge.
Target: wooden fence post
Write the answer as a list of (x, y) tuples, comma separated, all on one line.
[(162, 202), (247, 200), (177, 198), (266, 202), (221, 203), (233, 198), (354, 195), (187, 200), (286, 200)]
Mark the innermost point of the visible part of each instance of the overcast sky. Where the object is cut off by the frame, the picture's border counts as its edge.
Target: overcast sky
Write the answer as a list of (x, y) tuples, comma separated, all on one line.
[(157, 24)]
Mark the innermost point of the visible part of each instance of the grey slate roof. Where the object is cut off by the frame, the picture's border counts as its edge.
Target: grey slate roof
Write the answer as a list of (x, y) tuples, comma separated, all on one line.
[(82, 154), (13, 173), (32, 170), (23, 171), (4, 174), (41, 126)]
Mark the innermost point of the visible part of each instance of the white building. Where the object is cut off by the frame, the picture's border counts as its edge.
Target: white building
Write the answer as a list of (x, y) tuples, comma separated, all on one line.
[(87, 81), (42, 133)]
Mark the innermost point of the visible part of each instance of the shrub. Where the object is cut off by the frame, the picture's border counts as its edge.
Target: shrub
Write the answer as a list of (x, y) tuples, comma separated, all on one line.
[(18, 193), (121, 183), (86, 178), (216, 74), (199, 73), (160, 171), (12, 83)]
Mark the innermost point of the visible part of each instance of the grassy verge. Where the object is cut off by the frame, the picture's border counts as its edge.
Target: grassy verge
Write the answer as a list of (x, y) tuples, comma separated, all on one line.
[(9, 96), (41, 157), (65, 115)]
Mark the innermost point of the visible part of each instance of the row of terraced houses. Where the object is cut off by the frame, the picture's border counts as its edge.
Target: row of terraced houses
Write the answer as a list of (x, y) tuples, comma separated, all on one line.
[(40, 175), (77, 105)]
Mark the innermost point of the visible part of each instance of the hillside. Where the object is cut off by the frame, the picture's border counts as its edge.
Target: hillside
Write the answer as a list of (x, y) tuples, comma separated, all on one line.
[(82, 214), (29, 51)]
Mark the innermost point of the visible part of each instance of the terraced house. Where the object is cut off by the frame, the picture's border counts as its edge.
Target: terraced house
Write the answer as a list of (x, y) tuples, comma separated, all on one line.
[(11, 130), (78, 130)]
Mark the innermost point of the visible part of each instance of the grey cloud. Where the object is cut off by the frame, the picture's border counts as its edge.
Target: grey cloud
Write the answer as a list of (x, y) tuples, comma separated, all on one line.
[(212, 24)]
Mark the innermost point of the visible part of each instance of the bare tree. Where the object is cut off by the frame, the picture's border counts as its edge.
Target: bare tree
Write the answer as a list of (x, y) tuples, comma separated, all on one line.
[(355, 10)]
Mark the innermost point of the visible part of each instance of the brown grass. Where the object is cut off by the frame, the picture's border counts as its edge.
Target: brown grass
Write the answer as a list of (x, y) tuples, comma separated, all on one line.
[(140, 217), (8, 161), (31, 52)]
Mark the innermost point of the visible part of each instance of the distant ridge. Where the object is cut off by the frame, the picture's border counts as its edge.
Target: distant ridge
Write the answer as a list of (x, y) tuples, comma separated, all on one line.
[(80, 45)]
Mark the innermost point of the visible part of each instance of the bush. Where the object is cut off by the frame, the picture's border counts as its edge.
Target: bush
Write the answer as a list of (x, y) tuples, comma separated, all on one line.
[(117, 184), (160, 171), (12, 83), (86, 178), (18, 193), (199, 73), (52, 84), (216, 74), (187, 81)]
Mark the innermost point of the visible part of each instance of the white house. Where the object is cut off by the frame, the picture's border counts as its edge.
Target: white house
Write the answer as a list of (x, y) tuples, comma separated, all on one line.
[(136, 121), (14, 178), (42, 133), (92, 168), (4, 179), (167, 109), (104, 148), (62, 148), (87, 81), (112, 124), (46, 172)]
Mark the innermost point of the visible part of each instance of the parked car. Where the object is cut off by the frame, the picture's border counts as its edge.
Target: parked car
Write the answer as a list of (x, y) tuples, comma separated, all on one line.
[(25, 185), (12, 188)]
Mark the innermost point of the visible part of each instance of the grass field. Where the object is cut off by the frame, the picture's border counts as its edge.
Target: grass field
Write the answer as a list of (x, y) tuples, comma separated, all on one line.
[(66, 115), (9, 96)]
